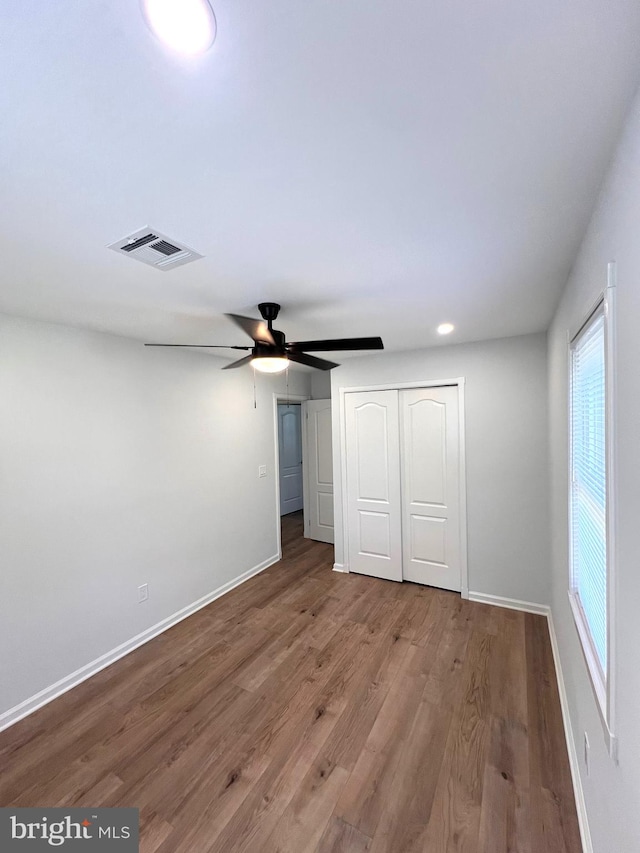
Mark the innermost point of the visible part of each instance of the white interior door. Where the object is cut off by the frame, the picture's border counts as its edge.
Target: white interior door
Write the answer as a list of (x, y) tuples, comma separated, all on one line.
[(290, 458), (373, 484), (431, 486), (318, 470)]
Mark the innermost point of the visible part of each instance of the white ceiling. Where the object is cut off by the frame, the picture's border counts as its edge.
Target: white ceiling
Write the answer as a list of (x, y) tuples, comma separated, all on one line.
[(377, 166)]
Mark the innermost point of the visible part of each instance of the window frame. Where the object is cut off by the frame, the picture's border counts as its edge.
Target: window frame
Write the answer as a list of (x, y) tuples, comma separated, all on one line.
[(603, 681)]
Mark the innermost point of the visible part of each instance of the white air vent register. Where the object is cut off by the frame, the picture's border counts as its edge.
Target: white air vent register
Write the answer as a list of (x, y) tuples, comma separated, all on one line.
[(155, 249)]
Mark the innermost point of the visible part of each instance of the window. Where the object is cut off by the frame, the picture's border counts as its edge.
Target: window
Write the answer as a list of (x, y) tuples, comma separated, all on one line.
[(590, 489)]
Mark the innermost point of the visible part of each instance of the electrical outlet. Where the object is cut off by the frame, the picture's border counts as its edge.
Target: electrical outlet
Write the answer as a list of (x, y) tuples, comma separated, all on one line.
[(143, 592), (586, 753), (262, 471)]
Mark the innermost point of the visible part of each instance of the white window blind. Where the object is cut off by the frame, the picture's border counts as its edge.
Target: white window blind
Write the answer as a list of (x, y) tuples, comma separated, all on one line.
[(589, 483)]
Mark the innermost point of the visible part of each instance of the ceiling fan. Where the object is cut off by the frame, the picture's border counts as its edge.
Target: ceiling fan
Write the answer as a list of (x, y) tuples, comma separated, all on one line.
[(271, 352)]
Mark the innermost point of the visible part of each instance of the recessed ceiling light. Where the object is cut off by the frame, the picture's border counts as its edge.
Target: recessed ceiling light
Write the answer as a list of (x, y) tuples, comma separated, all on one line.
[(187, 26), (445, 328)]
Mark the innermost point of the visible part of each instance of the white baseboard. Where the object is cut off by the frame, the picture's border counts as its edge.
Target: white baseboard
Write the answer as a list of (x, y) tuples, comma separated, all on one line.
[(581, 806), (340, 567), (510, 603), (18, 712)]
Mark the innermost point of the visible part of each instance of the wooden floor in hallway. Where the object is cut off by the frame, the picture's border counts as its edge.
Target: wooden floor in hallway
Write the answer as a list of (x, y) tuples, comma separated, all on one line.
[(308, 710)]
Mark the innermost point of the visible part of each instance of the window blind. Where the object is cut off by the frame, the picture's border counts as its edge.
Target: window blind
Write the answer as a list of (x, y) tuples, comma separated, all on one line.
[(589, 482)]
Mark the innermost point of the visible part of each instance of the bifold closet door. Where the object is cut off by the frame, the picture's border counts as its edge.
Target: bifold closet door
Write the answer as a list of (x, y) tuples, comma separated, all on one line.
[(430, 454), (403, 485), (373, 484)]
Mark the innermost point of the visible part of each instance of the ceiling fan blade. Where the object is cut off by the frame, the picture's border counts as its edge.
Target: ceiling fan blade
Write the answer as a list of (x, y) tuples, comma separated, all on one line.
[(311, 361), (335, 344), (256, 329), (239, 363), (199, 346)]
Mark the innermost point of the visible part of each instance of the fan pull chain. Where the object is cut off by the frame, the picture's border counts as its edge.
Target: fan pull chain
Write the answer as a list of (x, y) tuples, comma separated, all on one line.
[(287, 372), (255, 406)]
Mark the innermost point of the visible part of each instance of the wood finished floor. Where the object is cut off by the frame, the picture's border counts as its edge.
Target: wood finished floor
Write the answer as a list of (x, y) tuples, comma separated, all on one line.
[(312, 711)]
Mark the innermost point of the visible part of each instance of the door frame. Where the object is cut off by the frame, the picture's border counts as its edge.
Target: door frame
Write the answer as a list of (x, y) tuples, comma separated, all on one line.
[(283, 397), (458, 381)]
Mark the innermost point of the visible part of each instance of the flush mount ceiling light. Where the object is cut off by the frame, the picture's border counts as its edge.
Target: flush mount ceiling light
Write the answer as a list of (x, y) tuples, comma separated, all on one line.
[(187, 26), (445, 328)]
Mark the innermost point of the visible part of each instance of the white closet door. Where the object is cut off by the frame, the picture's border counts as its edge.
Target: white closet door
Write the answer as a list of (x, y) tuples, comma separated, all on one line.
[(430, 486), (373, 484), (318, 470)]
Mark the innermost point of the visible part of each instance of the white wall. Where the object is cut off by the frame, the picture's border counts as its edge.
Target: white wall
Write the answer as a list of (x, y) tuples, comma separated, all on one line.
[(120, 465), (612, 793), (506, 453), (321, 384)]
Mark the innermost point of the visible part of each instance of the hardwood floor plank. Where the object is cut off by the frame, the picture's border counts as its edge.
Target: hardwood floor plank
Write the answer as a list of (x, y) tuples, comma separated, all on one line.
[(229, 748), (153, 831), (289, 708), (492, 832), (405, 817), (455, 815), (369, 785), (554, 818), (313, 711), (254, 820), (303, 822), (96, 794), (340, 837), (372, 679), (510, 741)]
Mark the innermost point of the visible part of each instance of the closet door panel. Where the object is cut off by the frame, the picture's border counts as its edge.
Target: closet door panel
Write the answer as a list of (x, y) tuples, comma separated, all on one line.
[(430, 459), (373, 484)]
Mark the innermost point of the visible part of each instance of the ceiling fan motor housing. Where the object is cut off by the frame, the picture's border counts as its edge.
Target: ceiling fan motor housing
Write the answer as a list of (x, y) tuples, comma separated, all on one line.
[(270, 350), (278, 337)]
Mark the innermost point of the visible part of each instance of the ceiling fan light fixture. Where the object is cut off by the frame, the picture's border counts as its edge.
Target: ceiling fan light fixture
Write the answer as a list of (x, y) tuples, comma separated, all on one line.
[(186, 26), (271, 353), (270, 364)]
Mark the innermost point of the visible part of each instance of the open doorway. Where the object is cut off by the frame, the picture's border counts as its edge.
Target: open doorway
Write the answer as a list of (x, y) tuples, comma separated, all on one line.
[(290, 475), (290, 458), (304, 466), (289, 471)]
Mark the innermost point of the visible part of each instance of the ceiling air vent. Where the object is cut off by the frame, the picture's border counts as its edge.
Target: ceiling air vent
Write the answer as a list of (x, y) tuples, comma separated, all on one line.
[(155, 249)]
